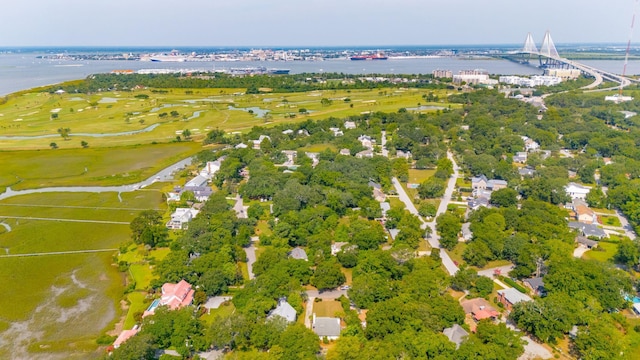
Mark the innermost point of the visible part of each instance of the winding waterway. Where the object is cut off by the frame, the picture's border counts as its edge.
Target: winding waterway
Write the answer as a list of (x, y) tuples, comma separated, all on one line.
[(124, 133)]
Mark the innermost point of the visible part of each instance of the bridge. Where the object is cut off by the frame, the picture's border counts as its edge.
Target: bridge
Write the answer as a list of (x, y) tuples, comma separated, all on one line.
[(548, 57)]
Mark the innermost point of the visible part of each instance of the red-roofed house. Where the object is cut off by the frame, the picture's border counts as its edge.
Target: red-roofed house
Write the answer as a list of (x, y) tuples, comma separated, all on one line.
[(177, 295), (174, 296), (124, 336), (480, 309)]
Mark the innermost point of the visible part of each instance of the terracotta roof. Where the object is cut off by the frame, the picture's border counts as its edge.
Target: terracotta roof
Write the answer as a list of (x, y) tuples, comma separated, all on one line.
[(124, 336), (177, 295)]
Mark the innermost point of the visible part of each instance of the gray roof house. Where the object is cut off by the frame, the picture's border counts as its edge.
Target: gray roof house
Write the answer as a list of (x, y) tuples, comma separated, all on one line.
[(456, 334), (536, 284), (326, 327), (299, 254), (510, 296), (284, 310), (588, 229)]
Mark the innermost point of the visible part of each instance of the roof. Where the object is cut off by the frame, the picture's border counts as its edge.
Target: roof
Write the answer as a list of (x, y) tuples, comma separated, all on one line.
[(588, 229), (478, 179), (326, 326), (299, 253), (536, 283), (526, 171), (586, 242), (514, 296), (125, 335), (479, 308), (197, 181), (466, 230), (455, 334), (394, 233), (177, 295), (284, 310), (385, 206)]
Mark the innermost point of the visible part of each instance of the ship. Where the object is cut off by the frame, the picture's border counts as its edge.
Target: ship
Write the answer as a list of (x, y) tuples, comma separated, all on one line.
[(258, 70), (377, 56), (173, 56)]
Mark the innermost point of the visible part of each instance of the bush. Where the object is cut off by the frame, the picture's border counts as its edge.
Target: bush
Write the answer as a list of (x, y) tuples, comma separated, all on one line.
[(105, 339), (517, 286)]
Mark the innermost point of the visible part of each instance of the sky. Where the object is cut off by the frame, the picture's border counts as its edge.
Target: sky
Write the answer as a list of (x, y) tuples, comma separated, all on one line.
[(310, 23)]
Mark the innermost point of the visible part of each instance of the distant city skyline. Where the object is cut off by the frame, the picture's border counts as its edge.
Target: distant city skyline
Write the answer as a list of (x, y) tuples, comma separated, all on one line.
[(254, 23)]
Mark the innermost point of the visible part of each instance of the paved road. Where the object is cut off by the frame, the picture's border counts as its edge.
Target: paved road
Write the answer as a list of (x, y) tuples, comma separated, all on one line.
[(504, 270), (309, 312), (434, 238), (326, 295), (385, 152), (251, 256), (628, 229)]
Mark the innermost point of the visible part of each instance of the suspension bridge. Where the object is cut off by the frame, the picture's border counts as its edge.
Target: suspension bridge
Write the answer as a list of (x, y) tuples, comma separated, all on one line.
[(548, 57)]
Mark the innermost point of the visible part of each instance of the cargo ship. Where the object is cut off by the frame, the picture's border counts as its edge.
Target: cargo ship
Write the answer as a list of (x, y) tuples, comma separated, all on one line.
[(370, 57)]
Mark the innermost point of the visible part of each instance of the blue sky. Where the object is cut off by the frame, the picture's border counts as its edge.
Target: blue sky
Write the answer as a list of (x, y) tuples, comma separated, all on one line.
[(310, 22)]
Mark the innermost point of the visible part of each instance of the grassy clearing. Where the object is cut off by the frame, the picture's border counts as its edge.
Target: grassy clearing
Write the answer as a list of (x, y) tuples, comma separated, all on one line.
[(604, 252), (92, 166), (419, 176), (319, 148), (348, 274), (37, 114), (610, 220), (137, 303), (327, 308), (456, 253), (604, 211)]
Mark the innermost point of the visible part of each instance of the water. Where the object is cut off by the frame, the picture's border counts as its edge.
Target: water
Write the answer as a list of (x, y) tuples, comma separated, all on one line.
[(254, 110)]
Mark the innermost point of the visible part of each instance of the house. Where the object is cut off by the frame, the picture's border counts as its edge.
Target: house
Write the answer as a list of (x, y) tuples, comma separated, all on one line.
[(577, 191), (588, 230), (403, 155), (349, 125), (201, 193), (366, 141), (456, 334), (585, 214), (477, 203), (345, 152), (326, 327), (520, 157), (287, 132), (197, 181), (256, 143), (174, 296), (364, 154), (466, 231), (378, 194), (530, 144), (536, 285), (284, 310), (211, 168), (479, 309), (124, 336), (526, 172), (385, 206), (314, 156), (298, 253), (586, 242), (510, 296), (303, 132), (291, 157), (494, 185), (337, 246), (394, 233), (181, 217), (336, 131), (241, 146)]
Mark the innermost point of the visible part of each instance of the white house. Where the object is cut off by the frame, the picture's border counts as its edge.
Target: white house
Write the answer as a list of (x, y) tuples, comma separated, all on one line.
[(181, 217), (577, 191), (326, 327), (284, 310), (349, 125)]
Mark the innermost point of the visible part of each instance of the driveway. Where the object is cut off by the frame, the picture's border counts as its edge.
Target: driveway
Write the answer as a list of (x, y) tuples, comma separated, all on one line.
[(579, 251), (251, 256), (327, 294), (504, 270)]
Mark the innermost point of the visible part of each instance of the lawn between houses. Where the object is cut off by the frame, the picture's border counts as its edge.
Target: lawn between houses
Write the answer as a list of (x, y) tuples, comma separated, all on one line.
[(62, 303)]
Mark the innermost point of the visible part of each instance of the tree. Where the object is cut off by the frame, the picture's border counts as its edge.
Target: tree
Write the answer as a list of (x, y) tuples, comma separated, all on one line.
[(628, 253), (148, 228), (504, 197), (139, 347), (53, 145), (186, 133), (448, 226), (325, 102), (64, 132), (84, 144), (327, 275), (432, 188), (427, 209)]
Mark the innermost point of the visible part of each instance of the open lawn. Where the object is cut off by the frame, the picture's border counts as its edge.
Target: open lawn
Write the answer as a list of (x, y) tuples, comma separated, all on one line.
[(327, 308), (603, 252), (82, 291), (92, 166), (456, 254), (33, 118), (610, 220)]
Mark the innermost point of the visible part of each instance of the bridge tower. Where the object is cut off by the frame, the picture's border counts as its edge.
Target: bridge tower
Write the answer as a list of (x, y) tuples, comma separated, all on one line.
[(549, 52), (528, 50)]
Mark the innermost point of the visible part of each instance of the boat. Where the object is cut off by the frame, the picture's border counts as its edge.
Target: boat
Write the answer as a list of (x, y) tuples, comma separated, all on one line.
[(377, 56), (258, 70), (173, 56)]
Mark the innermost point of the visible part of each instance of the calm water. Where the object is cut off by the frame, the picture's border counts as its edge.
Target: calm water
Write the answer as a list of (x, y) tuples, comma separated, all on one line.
[(23, 71)]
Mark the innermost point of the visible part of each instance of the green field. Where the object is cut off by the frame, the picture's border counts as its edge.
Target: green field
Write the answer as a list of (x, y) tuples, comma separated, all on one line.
[(199, 110), (81, 291), (327, 308), (604, 252), (92, 166)]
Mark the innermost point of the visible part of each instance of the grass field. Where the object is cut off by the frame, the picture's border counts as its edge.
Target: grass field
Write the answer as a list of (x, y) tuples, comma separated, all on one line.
[(109, 113), (604, 252), (92, 166), (328, 308), (610, 220), (80, 291)]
